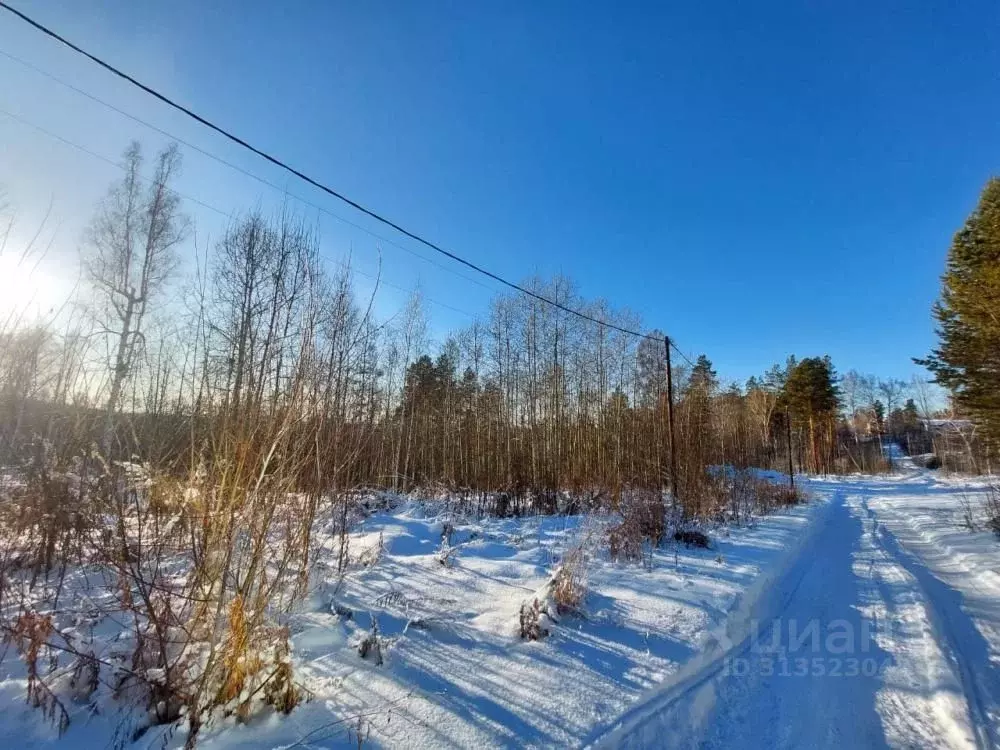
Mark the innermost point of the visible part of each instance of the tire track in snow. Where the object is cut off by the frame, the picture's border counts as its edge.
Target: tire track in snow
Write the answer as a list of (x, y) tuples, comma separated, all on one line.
[(854, 564), (921, 703), (955, 632), (681, 708)]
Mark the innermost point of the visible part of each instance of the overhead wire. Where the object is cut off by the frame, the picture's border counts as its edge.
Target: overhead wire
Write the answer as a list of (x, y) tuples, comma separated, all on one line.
[(215, 209), (302, 175), (235, 167), (320, 185), (677, 349)]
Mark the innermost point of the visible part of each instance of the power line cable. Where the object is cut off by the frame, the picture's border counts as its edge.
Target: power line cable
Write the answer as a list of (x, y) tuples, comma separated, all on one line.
[(236, 167), (215, 209), (677, 349), (228, 215), (306, 178)]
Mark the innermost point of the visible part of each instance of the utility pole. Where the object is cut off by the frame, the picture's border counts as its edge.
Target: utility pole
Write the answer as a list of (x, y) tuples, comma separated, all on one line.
[(788, 436), (670, 423)]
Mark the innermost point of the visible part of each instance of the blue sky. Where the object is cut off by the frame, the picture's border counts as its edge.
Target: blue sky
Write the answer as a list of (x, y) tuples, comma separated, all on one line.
[(758, 179)]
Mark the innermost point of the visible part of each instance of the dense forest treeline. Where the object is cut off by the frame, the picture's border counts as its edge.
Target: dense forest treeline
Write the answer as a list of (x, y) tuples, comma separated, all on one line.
[(265, 341), (528, 399)]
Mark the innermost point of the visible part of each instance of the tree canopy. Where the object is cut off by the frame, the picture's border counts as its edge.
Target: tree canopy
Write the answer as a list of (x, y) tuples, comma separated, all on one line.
[(967, 358)]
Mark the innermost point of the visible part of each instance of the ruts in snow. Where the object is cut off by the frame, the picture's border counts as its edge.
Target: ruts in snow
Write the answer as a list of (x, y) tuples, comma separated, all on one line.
[(885, 632)]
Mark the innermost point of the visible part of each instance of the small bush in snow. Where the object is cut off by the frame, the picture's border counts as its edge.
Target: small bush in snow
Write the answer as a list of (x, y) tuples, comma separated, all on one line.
[(624, 542), (568, 584), (371, 645), (30, 636), (968, 513), (568, 590), (392, 599), (771, 496), (644, 521), (86, 677), (992, 508), (693, 539), (727, 495), (533, 621), (979, 513), (564, 593), (280, 691), (994, 524)]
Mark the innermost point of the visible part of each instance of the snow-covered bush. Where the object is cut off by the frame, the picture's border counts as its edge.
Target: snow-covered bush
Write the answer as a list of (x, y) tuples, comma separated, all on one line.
[(564, 593), (644, 522), (371, 645), (534, 621)]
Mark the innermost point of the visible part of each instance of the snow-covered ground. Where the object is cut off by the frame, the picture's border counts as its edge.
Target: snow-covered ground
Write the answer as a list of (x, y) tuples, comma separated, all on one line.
[(885, 633), (455, 672), (868, 618)]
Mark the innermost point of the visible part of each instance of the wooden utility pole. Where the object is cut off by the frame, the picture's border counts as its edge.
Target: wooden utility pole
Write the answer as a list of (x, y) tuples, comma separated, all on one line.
[(788, 435), (670, 423)]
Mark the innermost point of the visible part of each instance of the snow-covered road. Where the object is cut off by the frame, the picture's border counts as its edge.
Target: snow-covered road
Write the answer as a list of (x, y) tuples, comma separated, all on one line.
[(884, 633)]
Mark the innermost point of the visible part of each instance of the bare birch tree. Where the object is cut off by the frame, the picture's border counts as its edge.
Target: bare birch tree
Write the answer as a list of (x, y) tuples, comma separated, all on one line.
[(130, 257)]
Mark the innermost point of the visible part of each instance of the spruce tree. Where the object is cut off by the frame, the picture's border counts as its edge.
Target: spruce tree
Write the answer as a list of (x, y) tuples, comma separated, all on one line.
[(967, 358)]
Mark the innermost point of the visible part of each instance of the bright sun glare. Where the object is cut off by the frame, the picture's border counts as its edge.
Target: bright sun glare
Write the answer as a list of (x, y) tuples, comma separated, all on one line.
[(25, 291)]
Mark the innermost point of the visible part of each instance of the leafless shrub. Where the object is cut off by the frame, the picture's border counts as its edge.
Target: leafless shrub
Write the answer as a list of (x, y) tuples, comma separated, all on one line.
[(343, 612), (737, 496), (371, 645), (569, 585), (709, 497), (644, 523), (969, 513), (769, 495), (86, 677), (625, 542), (280, 689), (981, 510), (532, 621), (30, 635), (991, 507)]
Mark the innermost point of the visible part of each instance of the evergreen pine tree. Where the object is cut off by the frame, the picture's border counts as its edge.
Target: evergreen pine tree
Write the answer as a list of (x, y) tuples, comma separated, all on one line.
[(703, 377), (878, 408), (811, 395), (967, 359)]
